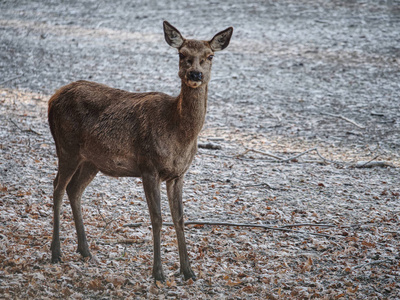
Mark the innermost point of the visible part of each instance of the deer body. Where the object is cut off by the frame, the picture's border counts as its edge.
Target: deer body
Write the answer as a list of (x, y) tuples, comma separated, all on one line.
[(122, 134), (125, 132)]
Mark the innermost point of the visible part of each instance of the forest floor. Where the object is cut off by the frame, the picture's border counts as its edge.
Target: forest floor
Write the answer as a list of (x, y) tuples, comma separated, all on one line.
[(305, 106)]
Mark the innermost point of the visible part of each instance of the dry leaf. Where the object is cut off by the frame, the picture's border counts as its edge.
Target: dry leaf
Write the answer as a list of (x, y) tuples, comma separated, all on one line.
[(95, 285)]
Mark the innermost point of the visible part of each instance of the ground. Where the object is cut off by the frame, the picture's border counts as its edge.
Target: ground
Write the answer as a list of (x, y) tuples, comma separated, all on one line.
[(304, 104)]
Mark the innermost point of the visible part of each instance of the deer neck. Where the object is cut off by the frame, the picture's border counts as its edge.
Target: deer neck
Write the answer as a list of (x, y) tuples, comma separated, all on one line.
[(191, 109)]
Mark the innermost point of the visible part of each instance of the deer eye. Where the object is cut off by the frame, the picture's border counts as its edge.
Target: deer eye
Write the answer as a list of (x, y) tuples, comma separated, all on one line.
[(210, 57), (181, 56)]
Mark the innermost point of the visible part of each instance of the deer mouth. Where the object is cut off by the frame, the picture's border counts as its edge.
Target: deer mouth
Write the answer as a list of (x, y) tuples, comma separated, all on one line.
[(193, 84)]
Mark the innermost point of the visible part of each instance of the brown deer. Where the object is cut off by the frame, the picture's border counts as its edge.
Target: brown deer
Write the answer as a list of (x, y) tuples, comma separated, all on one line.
[(148, 135)]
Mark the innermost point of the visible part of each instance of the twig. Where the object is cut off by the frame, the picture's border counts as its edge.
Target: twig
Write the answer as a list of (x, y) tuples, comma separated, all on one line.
[(345, 119), (371, 164), (120, 241), (327, 160), (250, 225), (132, 225), (261, 184), (260, 152), (24, 130), (308, 224), (209, 145), (372, 263), (278, 159), (10, 79), (298, 155), (378, 114), (362, 164), (104, 219)]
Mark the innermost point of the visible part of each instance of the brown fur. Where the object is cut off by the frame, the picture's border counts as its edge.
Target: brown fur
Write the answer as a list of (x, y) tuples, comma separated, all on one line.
[(149, 135)]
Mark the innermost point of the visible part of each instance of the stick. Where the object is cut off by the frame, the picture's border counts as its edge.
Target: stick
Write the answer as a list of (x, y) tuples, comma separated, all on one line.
[(298, 155), (250, 225), (104, 219), (326, 160), (279, 159), (132, 225), (345, 119), (209, 145), (308, 224), (120, 241), (261, 152), (25, 130), (372, 263), (12, 78), (371, 164), (261, 184), (360, 164)]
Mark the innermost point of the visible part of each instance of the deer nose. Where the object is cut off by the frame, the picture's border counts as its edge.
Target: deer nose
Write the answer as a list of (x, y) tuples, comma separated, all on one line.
[(195, 76)]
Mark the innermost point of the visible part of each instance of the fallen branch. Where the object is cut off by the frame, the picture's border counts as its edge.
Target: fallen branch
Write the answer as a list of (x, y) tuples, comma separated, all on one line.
[(345, 119), (280, 159), (282, 228), (250, 225), (308, 224), (361, 164), (372, 263)]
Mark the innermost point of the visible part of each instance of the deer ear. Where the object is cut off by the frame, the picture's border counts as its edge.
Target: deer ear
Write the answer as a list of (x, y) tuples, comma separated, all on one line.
[(172, 35), (221, 40)]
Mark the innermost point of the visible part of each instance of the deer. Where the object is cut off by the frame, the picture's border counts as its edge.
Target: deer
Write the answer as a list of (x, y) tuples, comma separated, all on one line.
[(152, 136)]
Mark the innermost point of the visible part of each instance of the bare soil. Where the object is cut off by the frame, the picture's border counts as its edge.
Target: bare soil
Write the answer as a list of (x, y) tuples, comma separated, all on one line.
[(299, 75)]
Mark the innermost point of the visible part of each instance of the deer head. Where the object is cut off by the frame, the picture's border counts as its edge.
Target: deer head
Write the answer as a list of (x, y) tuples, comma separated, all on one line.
[(195, 57)]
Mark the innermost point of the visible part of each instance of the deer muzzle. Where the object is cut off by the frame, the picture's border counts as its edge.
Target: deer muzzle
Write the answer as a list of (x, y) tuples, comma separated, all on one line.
[(194, 79), (195, 76)]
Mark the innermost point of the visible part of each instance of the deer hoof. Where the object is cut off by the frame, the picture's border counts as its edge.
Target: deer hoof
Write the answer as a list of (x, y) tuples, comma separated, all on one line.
[(159, 276), (189, 274), (56, 259), (84, 252)]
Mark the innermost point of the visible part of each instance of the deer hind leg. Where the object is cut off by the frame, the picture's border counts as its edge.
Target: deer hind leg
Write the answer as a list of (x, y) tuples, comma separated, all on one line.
[(66, 170), (151, 185), (174, 191), (81, 179)]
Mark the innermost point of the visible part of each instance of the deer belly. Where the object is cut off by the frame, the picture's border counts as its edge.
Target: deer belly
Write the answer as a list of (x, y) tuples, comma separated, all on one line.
[(117, 166)]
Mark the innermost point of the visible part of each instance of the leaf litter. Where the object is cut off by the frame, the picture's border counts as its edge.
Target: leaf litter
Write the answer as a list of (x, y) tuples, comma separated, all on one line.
[(283, 88)]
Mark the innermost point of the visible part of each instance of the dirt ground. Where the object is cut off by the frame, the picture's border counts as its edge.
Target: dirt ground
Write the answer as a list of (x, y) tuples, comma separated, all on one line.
[(305, 105)]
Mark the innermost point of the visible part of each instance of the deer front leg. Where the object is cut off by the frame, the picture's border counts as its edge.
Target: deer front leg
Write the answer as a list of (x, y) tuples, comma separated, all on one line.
[(151, 185), (174, 190), (64, 174)]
